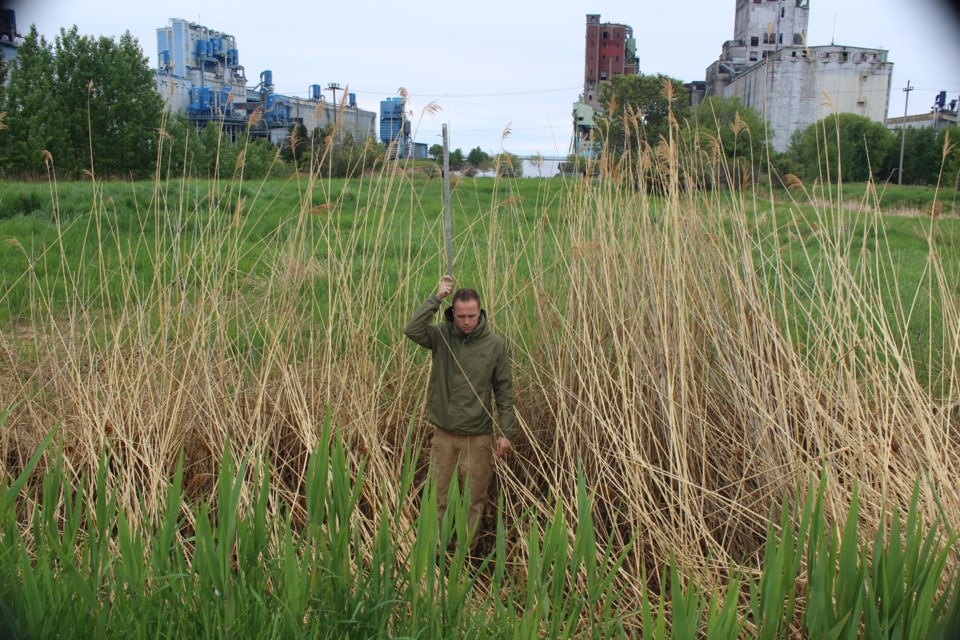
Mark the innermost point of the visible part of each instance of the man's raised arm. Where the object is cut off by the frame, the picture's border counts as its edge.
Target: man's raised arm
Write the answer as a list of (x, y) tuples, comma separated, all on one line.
[(419, 328)]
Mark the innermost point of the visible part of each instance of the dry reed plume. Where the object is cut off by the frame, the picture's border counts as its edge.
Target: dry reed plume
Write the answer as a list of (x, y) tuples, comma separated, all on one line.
[(696, 380)]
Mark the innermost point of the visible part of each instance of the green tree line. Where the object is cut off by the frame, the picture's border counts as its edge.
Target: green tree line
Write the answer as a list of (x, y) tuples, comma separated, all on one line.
[(723, 130), (503, 165)]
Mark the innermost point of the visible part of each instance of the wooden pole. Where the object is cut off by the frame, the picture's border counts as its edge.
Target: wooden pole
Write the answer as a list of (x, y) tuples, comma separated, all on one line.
[(448, 227)]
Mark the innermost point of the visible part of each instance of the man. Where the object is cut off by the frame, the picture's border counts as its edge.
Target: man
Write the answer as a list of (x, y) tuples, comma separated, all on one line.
[(470, 363)]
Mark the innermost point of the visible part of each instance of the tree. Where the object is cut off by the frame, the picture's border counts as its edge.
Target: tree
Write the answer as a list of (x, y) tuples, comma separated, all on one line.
[(296, 149), (923, 153), (129, 109), (843, 146), (90, 103), (508, 165), (344, 157), (3, 76), (320, 139), (107, 88), (478, 157), (950, 177), (456, 156), (456, 159), (179, 147), (32, 116), (729, 139), (638, 110), (575, 165), (925, 159), (260, 158), (735, 129), (184, 152), (217, 157)]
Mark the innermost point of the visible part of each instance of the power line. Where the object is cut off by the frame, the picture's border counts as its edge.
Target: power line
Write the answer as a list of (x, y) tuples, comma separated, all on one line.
[(928, 89), (456, 95), (494, 95), (512, 128)]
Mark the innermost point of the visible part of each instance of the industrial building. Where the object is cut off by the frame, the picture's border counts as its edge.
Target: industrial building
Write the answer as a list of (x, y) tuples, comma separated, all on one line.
[(769, 66), (610, 50), (395, 128), (941, 115), (936, 120), (9, 38), (199, 74)]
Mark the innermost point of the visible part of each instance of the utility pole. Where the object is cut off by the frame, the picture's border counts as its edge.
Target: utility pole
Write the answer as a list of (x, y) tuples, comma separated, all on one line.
[(334, 87), (903, 130)]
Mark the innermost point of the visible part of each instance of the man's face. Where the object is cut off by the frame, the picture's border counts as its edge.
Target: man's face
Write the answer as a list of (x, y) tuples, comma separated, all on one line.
[(466, 315)]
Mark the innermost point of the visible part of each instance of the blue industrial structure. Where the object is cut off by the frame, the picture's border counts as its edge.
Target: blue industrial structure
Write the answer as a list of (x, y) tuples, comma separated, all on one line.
[(199, 74), (395, 128)]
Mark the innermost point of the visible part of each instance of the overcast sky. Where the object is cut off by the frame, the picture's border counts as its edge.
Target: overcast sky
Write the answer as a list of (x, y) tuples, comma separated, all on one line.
[(491, 64)]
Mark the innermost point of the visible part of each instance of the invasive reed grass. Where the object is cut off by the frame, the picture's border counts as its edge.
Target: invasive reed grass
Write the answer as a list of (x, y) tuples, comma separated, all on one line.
[(675, 353), (85, 569)]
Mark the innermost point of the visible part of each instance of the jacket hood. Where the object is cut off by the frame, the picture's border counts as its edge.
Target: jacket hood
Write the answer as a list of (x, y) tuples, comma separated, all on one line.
[(476, 333)]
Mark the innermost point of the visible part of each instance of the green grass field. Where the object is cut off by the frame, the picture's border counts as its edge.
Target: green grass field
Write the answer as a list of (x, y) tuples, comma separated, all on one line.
[(121, 242)]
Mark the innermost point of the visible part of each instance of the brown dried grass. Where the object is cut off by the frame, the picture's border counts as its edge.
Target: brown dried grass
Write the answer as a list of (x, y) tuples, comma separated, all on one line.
[(652, 353)]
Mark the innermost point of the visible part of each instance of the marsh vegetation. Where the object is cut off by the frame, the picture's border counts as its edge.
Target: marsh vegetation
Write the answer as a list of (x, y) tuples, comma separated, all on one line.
[(739, 407)]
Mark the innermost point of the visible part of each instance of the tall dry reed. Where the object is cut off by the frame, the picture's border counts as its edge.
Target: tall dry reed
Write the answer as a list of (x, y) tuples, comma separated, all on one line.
[(697, 377)]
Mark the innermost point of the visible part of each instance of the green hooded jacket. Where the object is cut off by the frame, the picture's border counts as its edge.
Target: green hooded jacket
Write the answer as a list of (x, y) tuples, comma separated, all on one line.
[(467, 370)]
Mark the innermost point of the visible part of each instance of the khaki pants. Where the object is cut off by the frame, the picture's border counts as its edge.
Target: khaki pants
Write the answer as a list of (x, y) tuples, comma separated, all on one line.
[(472, 457)]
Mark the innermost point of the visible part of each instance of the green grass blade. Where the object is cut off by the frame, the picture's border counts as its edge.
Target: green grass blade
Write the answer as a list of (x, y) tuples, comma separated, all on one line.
[(9, 494)]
